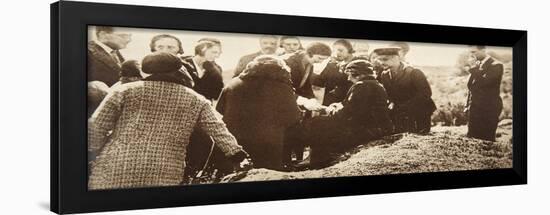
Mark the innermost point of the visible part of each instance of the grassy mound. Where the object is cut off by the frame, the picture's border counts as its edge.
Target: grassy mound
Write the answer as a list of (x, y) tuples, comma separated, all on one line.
[(444, 149)]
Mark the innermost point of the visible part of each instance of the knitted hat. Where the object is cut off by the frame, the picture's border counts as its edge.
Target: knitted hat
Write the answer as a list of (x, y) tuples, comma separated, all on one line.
[(160, 62), (360, 67)]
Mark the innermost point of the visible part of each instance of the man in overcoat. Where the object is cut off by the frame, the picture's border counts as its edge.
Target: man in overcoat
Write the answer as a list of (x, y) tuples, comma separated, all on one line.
[(484, 102), (409, 92)]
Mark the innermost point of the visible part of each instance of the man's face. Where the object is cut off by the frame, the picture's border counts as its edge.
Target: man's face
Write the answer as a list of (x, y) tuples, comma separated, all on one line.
[(212, 53), (340, 52), (291, 45), (268, 45), (118, 39), (168, 45), (317, 58), (388, 61), (479, 54)]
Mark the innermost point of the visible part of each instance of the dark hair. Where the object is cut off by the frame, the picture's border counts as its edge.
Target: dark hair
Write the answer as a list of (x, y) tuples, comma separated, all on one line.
[(130, 68), (162, 36), (203, 46), (283, 38), (106, 29), (403, 45), (346, 44), (209, 39), (318, 48)]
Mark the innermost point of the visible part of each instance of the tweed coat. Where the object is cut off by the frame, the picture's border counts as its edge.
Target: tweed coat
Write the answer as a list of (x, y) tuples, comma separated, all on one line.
[(142, 131)]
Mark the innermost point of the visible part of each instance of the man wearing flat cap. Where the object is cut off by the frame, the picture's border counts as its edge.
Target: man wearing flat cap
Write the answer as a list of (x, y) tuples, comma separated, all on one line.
[(409, 92), (361, 117)]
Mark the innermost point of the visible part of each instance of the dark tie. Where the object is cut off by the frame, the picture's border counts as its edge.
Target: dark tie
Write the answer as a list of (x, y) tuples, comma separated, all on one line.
[(114, 55)]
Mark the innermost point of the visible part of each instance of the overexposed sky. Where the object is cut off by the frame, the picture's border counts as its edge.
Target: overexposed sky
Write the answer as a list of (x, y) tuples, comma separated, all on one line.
[(236, 45)]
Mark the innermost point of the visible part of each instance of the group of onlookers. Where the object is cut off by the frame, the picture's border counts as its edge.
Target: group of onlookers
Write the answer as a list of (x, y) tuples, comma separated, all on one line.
[(163, 129)]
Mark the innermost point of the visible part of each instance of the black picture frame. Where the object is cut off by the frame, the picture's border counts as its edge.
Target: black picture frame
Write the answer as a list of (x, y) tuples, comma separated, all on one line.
[(69, 27)]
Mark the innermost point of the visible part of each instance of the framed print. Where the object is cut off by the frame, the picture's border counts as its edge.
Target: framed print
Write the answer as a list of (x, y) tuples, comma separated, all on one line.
[(163, 107)]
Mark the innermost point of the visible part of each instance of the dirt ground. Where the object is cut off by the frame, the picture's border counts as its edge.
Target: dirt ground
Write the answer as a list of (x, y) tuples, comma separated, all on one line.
[(444, 149)]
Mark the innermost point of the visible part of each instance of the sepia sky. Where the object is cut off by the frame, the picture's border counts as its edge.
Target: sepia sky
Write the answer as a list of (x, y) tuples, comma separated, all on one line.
[(235, 45)]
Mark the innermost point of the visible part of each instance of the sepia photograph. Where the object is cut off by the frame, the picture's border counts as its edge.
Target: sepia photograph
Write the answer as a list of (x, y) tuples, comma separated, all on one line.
[(182, 108)]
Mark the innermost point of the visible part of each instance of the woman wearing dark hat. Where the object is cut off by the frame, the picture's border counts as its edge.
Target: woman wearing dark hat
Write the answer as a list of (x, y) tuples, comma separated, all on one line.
[(141, 129), (258, 107), (361, 117)]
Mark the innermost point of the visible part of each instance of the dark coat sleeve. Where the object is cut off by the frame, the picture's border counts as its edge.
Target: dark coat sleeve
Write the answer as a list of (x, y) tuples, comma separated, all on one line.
[(243, 62), (421, 102), (355, 103), (492, 77), (220, 106), (214, 80), (287, 106)]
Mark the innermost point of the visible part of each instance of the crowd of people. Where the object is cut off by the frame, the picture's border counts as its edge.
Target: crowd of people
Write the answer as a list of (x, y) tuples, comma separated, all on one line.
[(164, 128)]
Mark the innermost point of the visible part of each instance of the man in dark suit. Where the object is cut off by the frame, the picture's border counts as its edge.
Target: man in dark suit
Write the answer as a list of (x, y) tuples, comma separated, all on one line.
[(484, 102), (409, 92), (268, 46), (104, 58)]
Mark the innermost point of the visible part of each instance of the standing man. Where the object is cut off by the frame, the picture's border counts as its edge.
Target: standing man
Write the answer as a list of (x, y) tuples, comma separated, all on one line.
[(104, 58), (409, 92), (268, 46), (332, 81), (484, 102)]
